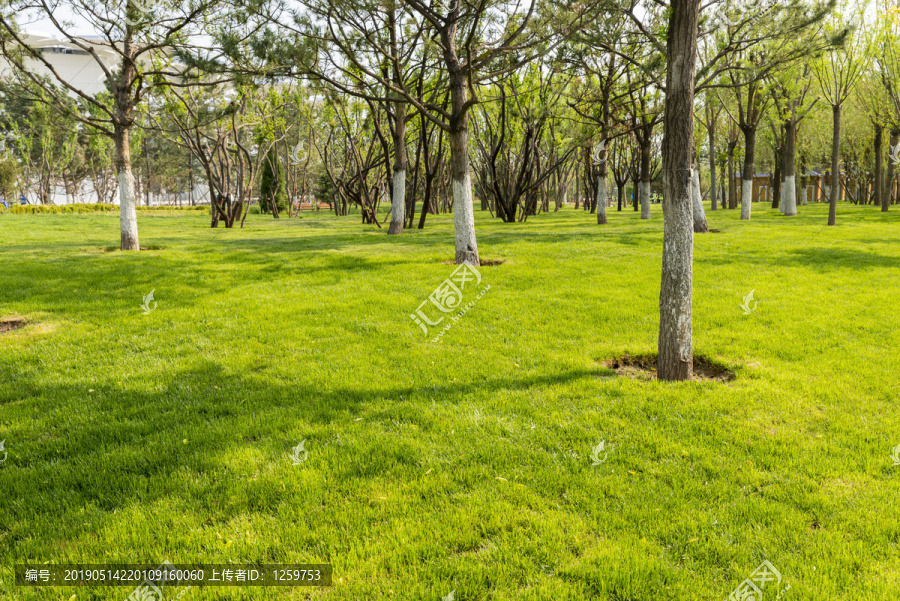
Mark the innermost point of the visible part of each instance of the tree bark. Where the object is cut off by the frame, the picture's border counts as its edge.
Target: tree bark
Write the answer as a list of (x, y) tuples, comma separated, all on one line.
[(789, 189), (777, 175), (675, 361), (712, 166), (601, 196), (127, 195), (645, 176), (398, 201), (747, 172), (878, 143), (887, 189), (700, 225), (835, 164), (461, 183), (732, 189)]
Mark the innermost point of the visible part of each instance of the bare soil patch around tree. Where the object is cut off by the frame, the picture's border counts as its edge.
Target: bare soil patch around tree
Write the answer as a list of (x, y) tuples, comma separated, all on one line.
[(8, 324), (643, 367)]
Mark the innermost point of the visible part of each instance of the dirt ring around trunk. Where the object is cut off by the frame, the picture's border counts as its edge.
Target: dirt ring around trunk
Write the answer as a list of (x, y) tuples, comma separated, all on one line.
[(643, 367), (484, 262), (8, 324)]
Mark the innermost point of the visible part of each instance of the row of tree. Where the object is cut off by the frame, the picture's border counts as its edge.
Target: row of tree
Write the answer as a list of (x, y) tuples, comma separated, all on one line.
[(362, 99)]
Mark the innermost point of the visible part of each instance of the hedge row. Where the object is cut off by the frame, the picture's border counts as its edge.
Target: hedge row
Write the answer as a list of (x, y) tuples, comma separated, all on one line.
[(88, 208)]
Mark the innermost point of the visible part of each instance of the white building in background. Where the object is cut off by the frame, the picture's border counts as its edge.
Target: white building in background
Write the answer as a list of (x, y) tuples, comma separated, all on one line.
[(77, 67), (72, 63)]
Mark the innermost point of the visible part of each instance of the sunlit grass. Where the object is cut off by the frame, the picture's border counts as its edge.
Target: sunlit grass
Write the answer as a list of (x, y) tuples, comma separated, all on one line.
[(465, 464)]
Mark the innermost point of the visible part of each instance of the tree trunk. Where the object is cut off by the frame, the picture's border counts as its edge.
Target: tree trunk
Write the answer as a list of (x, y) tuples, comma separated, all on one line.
[(712, 166), (878, 143), (835, 165), (676, 354), (645, 176), (747, 172), (601, 196), (602, 199), (777, 174), (700, 225), (732, 189), (461, 183), (398, 201), (888, 189), (127, 196), (789, 189)]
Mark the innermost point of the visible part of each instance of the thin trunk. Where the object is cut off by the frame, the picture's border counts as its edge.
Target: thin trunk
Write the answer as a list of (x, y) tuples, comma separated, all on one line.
[(835, 165), (789, 189), (747, 172), (732, 189), (398, 201), (777, 175), (645, 176), (675, 361), (878, 142), (601, 196), (887, 191), (712, 166), (700, 225)]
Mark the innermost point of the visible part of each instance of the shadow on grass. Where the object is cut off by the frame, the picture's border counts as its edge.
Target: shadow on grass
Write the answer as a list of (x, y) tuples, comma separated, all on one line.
[(113, 447), (818, 258)]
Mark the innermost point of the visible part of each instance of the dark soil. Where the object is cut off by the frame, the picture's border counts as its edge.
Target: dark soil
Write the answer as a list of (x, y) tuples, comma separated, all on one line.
[(643, 367), (8, 324), (109, 249), (484, 262)]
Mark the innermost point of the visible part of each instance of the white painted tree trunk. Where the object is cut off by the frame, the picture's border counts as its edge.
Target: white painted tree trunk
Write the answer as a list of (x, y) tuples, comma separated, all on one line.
[(127, 212), (398, 203), (789, 196), (601, 199), (645, 200), (746, 197), (464, 221), (127, 194), (700, 225)]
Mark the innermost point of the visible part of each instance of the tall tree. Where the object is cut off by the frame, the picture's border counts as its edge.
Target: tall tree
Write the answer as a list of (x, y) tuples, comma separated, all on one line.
[(676, 351), (838, 73), (132, 43)]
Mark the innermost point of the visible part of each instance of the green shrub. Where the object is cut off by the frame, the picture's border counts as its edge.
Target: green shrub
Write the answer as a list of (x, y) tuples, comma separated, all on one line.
[(91, 208), (273, 184)]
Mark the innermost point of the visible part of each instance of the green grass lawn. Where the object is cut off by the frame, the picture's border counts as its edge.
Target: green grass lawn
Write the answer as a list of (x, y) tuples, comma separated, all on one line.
[(462, 465)]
